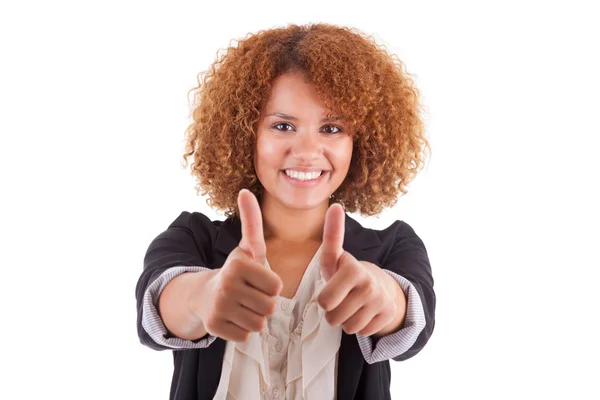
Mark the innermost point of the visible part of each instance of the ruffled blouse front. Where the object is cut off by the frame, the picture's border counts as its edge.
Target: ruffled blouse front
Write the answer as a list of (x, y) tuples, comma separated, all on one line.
[(294, 357)]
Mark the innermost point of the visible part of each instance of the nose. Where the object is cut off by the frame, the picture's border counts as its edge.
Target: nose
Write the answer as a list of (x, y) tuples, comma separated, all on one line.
[(307, 146)]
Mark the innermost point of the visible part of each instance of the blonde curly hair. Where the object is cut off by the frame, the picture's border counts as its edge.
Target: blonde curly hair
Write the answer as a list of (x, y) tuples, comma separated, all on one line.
[(355, 77)]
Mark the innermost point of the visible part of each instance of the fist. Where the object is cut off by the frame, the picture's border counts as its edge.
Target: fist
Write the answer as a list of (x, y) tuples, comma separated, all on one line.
[(358, 295), (238, 297)]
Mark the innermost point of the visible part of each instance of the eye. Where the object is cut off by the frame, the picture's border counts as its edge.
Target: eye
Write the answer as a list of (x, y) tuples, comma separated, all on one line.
[(332, 129), (283, 126)]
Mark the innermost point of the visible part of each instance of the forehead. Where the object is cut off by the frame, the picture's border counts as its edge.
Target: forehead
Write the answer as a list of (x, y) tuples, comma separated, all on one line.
[(293, 92)]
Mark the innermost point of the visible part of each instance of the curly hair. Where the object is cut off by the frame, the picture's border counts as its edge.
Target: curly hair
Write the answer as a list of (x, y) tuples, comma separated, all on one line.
[(354, 76)]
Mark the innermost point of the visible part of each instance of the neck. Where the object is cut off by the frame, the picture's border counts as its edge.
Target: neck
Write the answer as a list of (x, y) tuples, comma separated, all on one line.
[(283, 224)]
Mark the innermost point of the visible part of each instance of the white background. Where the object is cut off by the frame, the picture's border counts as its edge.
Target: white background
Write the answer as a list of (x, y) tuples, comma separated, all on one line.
[(93, 106)]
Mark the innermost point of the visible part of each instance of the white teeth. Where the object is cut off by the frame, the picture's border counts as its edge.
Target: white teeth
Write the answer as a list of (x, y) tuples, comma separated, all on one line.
[(303, 176)]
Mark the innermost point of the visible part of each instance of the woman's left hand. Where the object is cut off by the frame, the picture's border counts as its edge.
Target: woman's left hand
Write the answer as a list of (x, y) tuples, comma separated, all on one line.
[(358, 296)]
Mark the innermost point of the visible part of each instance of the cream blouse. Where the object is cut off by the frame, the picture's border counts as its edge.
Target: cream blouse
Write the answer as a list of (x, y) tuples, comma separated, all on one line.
[(293, 358)]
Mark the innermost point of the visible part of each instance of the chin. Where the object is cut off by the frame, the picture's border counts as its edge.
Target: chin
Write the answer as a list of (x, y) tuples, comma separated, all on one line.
[(303, 204)]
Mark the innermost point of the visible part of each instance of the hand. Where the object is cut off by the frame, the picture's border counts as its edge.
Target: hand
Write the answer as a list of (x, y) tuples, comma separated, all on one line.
[(239, 296), (357, 295)]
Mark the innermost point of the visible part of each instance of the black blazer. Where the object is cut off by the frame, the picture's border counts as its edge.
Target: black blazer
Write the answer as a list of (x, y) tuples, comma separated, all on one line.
[(194, 240)]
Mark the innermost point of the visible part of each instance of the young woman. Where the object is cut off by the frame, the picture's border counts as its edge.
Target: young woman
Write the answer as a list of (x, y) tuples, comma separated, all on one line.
[(289, 297)]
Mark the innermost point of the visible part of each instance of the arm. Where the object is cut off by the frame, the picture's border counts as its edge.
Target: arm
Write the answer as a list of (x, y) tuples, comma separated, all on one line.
[(174, 307), (174, 262), (408, 264), (155, 322)]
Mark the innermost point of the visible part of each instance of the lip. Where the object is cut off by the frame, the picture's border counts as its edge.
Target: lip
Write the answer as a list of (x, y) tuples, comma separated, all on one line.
[(306, 169), (304, 184)]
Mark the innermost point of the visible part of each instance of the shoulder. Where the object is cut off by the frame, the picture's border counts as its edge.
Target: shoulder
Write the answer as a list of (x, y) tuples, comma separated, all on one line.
[(394, 247), (223, 235), (195, 220), (400, 233), (397, 233), (196, 226)]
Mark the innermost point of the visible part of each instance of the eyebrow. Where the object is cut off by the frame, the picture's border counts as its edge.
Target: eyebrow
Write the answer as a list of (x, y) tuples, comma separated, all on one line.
[(292, 118)]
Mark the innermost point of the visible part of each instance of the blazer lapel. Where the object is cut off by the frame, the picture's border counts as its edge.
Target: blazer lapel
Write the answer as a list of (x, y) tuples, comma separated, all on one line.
[(229, 236)]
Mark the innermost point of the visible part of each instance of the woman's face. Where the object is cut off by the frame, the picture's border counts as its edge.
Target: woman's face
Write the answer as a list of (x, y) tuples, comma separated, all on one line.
[(301, 157)]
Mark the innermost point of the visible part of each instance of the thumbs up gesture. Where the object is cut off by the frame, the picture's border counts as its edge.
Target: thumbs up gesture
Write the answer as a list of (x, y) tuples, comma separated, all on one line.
[(241, 295), (358, 295)]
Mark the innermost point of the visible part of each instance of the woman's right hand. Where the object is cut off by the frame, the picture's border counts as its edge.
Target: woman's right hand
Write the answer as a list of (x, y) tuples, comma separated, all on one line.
[(237, 298)]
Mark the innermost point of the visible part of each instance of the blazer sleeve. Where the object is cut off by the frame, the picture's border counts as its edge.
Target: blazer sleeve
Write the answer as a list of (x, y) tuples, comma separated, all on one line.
[(185, 243), (408, 258), (152, 321)]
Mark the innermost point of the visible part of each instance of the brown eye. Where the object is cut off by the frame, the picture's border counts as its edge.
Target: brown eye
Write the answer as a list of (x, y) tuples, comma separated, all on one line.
[(332, 129), (282, 126)]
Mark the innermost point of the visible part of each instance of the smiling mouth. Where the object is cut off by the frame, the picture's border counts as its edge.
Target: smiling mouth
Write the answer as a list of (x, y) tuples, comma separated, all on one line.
[(304, 176)]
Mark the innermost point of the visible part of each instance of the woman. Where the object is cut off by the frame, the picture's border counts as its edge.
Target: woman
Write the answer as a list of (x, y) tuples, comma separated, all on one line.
[(289, 297)]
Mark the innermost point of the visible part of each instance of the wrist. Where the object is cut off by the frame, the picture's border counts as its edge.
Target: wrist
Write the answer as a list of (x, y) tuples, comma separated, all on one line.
[(398, 297), (196, 288)]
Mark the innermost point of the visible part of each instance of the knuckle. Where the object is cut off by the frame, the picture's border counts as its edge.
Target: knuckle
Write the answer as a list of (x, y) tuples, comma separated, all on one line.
[(229, 283), (325, 305), (380, 298), (330, 317), (278, 284), (370, 278), (226, 286), (271, 307), (245, 336), (361, 274), (348, 327), (224, 275), (211, 324), (365, 332), (262, 323), (323, 302), (233, 265), (254, 324), (274, 282), (221, 302), (370, 292)]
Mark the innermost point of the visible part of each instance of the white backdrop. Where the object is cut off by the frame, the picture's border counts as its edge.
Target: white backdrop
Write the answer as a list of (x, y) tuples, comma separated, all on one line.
[(93, 99)]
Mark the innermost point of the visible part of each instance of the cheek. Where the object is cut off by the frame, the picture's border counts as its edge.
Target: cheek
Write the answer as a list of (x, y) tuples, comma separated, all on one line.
[(342, 154), (267, 152)]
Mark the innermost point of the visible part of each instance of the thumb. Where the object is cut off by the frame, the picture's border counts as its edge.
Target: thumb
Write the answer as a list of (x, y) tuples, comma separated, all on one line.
[(253, 239), (333, 240)]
